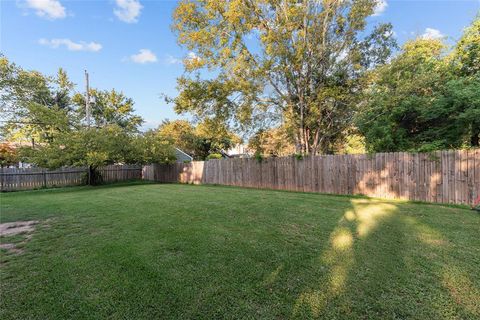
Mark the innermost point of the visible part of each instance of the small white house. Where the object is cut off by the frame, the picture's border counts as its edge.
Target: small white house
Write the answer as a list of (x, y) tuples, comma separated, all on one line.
[(239, 151)]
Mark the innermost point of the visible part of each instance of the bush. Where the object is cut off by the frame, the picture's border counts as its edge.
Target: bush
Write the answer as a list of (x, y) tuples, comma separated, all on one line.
[(214, 156), (298, 156), (258, 157)]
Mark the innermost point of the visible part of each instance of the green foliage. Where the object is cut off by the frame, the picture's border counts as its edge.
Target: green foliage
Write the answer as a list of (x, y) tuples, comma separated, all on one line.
[(92, 147), (273, 142), (353, 144), (45, 111), (8, 155), (95, 147), (298, 156), (181, 133), (304, 68), (258, 156), (154, 148), (36, 108), (214, 156), (426, 98), (33, 107), (110, 107), (200, 141), (466, 56)]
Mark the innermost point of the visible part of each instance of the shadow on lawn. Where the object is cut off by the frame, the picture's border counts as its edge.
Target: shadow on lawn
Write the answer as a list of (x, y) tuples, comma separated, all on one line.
[(382, 263)]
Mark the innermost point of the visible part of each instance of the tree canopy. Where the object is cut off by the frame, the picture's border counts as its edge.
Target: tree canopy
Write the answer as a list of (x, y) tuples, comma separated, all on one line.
[(46, 112), (273, 142), (36, 108), (198, 141), (426, 98), (110, 107), (294, 63), (8, 155), (33, 107)]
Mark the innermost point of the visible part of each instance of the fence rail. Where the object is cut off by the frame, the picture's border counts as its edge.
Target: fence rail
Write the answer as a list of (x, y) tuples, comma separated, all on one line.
[(442, 176), (13, 179)]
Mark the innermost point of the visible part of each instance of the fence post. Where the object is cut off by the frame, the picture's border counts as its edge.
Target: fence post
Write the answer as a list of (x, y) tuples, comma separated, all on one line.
[(44, 178)]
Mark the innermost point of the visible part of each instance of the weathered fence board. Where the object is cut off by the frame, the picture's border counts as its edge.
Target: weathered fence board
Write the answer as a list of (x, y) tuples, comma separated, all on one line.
[(442, 176), (13, 179)]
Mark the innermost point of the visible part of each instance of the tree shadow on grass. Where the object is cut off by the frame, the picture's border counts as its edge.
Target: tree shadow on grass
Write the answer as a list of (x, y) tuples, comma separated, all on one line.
[(302, 258), (384, 263)]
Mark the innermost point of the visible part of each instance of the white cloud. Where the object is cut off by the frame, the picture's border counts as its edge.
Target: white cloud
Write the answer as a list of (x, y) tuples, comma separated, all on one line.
[(128, 10), (380, 7), (50, 9), (70, 45), (192, 56), (391, 33), (172, 60), (342, 55), (431, 34), (150, 124), (144, 56)]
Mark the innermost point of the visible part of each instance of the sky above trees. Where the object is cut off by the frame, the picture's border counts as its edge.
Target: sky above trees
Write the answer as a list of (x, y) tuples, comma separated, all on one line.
[(128, 44)]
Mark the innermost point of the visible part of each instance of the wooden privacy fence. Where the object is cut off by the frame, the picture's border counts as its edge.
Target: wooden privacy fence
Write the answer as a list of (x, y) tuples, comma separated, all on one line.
[(442, 176), (114, 173), (12, 179)]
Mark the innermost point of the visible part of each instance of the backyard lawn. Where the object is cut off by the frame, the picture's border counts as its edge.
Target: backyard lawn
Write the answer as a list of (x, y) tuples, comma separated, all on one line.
[(150, 251)]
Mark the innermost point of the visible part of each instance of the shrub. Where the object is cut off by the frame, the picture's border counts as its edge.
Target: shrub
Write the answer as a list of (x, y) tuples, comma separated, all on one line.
[(299, 156), (258, 157), (214, 156)]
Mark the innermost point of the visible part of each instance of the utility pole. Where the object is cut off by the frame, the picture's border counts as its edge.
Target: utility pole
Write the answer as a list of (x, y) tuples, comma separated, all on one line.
[(87, 113), (87, 99)]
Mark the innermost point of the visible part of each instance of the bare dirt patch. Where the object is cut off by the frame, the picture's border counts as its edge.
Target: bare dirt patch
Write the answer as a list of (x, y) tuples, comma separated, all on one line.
[(12, 228)]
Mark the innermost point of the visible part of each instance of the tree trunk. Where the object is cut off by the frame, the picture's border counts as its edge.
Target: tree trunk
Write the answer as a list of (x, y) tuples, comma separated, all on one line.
[(475, 138), (92, 176)]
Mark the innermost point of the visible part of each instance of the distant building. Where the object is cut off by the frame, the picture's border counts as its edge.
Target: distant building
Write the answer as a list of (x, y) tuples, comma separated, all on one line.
[(239, 151), (182, 156)]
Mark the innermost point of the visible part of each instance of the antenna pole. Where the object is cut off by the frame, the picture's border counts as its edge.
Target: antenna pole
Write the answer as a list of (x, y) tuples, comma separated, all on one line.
[(87, 99)]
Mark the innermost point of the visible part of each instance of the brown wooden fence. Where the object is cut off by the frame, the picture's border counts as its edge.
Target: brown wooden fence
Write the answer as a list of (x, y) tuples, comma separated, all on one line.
[(443, 176), (12, 179), (115, 173)]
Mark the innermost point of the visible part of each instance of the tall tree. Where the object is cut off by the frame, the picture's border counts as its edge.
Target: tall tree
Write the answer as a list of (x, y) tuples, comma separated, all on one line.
[(198, 141), (272, 142), (33, 107), (466, 88), (181, 133), (426, 98), (8, 155), (94, 147), (299, 61), (109, 107)]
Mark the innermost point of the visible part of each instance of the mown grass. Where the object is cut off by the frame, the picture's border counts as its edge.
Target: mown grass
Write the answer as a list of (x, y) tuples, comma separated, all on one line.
[(203, 252)]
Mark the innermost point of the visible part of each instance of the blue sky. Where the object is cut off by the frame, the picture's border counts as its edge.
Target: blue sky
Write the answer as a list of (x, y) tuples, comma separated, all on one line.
[(128, 44)]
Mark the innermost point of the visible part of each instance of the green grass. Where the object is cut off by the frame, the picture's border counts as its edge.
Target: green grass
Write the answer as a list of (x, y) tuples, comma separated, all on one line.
[(180, 251)]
